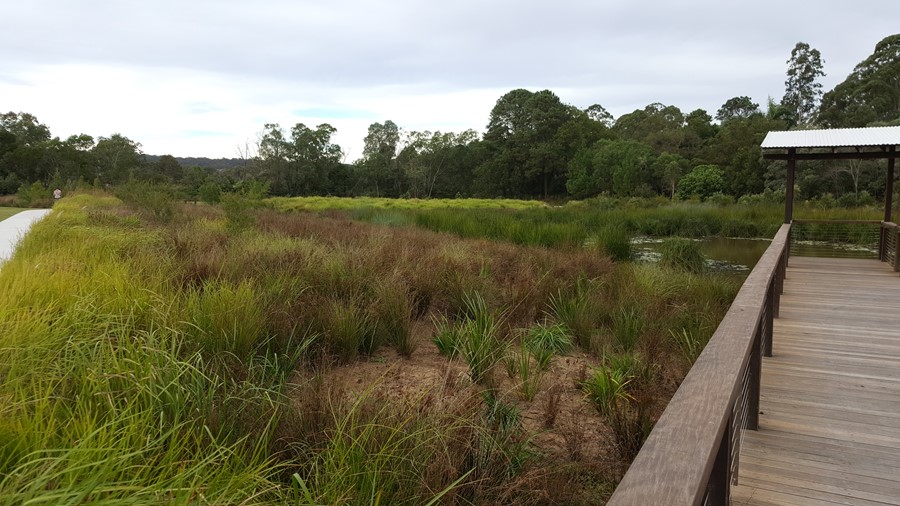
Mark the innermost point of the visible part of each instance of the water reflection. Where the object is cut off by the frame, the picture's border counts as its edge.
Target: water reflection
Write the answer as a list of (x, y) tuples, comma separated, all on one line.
[(723, 254)]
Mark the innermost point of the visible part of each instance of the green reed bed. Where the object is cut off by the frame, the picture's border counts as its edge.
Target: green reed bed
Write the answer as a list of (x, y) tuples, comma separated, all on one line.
[(157, 358), (574, 224)]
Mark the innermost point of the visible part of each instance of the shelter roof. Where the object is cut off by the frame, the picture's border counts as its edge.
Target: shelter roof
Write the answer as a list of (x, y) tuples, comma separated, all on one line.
[(833, 138)]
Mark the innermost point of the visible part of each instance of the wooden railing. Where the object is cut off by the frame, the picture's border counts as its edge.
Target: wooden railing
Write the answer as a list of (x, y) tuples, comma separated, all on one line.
[(890, 241), (692, 455)]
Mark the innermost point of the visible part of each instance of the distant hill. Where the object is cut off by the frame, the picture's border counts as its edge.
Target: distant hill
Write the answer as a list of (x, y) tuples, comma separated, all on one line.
[(212, 163)]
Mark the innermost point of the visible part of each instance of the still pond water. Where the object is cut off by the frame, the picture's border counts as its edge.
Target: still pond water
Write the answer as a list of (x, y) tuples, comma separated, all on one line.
[(723, 254)]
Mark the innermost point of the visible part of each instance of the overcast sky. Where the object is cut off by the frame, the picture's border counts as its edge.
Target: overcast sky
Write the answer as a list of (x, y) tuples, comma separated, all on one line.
[(202, 77)]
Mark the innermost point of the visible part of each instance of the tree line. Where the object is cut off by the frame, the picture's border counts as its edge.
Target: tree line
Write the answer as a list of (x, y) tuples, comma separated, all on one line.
[(534, 146)]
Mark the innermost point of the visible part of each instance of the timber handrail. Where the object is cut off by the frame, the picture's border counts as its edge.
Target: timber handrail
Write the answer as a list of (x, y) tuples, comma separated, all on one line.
[(842, 222), (691, 455)]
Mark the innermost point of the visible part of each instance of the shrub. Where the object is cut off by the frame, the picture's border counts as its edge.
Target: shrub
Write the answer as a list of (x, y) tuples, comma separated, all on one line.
[(238, 212), (210, 193), (702, 181), (34, 195), (156, 201)]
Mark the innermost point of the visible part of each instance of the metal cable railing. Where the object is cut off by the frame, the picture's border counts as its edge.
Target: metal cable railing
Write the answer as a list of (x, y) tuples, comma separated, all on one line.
[(835, 238)]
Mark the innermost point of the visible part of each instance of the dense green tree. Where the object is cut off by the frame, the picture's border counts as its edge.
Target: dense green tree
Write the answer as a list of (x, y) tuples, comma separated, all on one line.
[(116, 157), (599, 114), (702, 181), (379, 171), (523, 132), (621, 167), (736, 151), (651, 120), (298, 164), (802, 90), (425, 156), (871, 93), (26, 129), (668, 169), (169, 167), (737, 108)]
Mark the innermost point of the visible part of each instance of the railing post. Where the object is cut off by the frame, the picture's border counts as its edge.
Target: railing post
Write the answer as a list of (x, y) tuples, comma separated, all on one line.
[(755, 373), (718, 491), (779, 284), (769, 320)]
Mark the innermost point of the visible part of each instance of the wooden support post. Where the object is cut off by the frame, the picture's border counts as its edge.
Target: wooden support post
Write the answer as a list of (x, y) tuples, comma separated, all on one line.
[(888, 207), (770, 321), (889, 188), (789, 186), (718, 493), (779, 283), (755, 371)]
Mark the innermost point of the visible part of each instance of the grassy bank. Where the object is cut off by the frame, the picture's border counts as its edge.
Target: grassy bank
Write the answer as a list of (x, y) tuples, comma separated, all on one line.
[(239, 355)]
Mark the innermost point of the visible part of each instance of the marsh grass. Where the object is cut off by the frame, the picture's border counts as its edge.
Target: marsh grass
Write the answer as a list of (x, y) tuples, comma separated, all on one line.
[(525, 366), (628, 324), (576, 313), (681, 253), (571, 225), (544, 341), (181, 361), (481, 344), (615, 242), (618, 391)]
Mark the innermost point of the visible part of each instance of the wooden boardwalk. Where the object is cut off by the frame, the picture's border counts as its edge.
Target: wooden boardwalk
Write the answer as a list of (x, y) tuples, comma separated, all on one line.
[(829, 423)]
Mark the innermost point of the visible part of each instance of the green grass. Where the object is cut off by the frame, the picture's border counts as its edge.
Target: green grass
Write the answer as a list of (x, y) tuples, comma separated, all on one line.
[(6, 212)]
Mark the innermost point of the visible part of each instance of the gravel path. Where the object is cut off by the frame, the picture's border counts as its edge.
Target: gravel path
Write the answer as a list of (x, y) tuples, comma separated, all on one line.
[(15, 227)]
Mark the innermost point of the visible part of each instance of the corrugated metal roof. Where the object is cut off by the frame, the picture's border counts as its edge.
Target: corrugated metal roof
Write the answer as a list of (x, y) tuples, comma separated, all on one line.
[(834, 138)]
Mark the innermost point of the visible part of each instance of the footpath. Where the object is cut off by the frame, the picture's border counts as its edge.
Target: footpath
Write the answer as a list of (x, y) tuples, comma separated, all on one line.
[(14, 228)]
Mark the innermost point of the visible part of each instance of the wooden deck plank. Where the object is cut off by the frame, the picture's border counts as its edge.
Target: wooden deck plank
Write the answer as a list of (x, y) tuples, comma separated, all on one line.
[(829, 424)]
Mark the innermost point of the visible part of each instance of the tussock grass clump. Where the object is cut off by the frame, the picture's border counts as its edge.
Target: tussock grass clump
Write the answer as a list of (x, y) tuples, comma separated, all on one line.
[(546, 341), (576, 312), (615, 241), (526, 366), (682, 254), (618, 390), (225, 317), (481, 344), (628, 323)]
